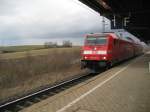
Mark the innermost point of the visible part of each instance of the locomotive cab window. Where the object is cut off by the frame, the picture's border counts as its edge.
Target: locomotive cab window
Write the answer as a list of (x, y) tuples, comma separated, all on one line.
[(96, 40)]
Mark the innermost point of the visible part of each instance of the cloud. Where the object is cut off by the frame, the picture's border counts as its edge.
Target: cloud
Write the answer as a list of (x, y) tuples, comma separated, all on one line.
[(28, 19)]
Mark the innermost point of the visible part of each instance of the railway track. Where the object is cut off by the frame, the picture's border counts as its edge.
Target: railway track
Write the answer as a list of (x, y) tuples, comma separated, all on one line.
[(35, 97)]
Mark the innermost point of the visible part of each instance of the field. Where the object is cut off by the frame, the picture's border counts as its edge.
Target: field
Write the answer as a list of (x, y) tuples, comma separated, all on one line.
[(24, 71), (32, 52), (8, 49)]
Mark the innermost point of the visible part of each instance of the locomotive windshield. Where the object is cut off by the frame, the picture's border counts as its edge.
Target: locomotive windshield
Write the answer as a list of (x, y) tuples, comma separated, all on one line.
[(96, 40)]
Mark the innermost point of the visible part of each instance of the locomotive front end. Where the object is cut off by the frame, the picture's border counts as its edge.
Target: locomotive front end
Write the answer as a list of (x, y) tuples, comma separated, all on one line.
[(94, 52)]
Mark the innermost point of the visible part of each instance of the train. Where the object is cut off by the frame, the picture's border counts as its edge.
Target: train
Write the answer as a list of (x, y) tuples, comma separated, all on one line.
[(103, 50)]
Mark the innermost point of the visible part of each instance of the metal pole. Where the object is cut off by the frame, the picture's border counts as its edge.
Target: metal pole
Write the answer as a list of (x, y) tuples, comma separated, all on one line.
[(114, 20)]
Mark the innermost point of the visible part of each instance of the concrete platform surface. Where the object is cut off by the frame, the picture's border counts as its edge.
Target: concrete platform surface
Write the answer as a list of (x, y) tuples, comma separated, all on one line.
[(124, 88)]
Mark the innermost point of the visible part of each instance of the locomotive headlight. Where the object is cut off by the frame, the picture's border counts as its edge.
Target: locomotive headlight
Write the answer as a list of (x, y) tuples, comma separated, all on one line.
[(85, 57), (101, 52), (104, 58), (87, 52)]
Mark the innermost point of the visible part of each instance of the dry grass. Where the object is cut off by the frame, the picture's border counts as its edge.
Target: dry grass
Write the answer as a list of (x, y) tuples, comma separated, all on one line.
[(19, 75), (23, 54), (7, 49)]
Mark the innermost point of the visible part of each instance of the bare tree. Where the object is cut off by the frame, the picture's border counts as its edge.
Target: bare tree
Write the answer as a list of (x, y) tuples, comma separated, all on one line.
[(50, 44), (67, 43)]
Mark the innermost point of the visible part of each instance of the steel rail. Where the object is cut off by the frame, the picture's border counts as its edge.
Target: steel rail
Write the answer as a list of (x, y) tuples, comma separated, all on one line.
[(40, 91)]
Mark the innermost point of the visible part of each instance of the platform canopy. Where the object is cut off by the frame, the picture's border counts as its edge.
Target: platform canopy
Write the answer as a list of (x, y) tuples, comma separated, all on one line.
[(133, 15)]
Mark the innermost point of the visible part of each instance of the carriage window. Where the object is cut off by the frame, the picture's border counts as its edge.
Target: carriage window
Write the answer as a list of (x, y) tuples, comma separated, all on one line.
[(115, 42), (96, 41)]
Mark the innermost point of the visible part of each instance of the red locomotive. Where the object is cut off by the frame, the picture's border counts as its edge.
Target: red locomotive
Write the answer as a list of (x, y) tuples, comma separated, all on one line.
[(106, 49)]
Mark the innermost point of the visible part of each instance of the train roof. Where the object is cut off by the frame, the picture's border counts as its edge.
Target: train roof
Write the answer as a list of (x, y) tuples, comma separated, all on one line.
[(118, 33), (98, 34), (102, 34)]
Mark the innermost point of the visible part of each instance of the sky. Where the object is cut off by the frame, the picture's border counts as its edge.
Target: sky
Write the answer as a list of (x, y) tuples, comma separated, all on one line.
[(37, 21)]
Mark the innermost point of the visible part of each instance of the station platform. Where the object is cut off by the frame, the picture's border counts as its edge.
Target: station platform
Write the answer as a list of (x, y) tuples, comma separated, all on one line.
[(123, 88)]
